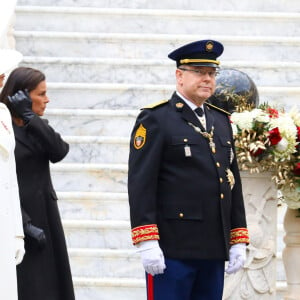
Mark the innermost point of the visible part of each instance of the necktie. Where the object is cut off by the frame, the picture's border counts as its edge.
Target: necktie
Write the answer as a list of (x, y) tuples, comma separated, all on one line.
[(199, 111)]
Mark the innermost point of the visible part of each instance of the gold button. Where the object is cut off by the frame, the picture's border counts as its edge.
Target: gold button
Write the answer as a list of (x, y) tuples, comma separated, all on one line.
[(221, 180), (181, 215), (218, 164), (185, 140), (228, 142), (222, 196)]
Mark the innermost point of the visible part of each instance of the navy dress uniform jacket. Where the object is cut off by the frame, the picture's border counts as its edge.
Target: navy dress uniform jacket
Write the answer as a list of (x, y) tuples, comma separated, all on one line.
[(185, 201)]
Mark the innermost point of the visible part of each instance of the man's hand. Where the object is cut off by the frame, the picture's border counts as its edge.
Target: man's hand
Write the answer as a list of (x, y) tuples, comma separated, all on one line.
[(152, 257), (237, 258), (19, 249), (22, 104)]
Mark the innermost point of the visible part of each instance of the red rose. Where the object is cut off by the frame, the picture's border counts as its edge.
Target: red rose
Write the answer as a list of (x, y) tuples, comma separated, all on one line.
[(298, 134), (258, 152), (274, 136), (273, 113), (297, 169)]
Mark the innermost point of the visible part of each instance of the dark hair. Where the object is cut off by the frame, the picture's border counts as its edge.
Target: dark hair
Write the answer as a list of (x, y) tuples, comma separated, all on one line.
[(21, 78)]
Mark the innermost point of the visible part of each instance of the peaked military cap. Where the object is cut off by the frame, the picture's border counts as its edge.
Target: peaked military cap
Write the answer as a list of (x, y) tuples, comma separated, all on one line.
[(200, 53)]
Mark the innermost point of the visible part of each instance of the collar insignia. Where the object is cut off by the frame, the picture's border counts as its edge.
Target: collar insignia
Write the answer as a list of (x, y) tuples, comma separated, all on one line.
[(179, 105)]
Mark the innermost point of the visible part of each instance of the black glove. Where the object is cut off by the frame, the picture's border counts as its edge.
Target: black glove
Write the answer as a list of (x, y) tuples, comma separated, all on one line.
[(22, 105), (35, 233)]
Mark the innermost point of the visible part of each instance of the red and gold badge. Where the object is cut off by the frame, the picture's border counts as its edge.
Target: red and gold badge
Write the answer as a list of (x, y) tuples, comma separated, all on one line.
[(140, 137)]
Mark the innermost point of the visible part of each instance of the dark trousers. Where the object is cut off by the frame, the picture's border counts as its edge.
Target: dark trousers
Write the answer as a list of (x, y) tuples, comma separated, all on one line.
[(187, 280)]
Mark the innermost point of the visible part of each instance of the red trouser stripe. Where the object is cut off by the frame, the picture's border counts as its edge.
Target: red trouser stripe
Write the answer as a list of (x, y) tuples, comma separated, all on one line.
[(150, 292)]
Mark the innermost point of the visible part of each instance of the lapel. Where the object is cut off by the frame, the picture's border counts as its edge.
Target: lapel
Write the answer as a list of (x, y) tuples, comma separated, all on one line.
[(209, 118), (185, 111)]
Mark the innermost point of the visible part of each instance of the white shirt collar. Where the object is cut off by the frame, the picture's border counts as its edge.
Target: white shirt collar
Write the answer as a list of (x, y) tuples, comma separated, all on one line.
[(188, 102)]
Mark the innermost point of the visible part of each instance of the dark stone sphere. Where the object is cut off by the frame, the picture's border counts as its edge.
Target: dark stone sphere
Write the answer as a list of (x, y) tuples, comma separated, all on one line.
[(234, 82)]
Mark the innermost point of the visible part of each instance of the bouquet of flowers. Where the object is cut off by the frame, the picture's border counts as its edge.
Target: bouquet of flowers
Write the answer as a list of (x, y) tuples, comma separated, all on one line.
[(267, 139)]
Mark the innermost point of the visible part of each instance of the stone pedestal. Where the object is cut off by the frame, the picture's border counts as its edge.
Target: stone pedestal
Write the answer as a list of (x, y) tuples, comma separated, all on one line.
[(257, 280), (291, 253)]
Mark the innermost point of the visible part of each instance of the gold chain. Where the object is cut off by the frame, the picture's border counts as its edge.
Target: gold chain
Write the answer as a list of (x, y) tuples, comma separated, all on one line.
[(207, 135)]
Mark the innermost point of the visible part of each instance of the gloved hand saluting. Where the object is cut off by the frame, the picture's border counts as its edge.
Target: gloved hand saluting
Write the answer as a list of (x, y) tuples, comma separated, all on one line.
[(22, 104), (237, 258), (19, 249), (152, 257)]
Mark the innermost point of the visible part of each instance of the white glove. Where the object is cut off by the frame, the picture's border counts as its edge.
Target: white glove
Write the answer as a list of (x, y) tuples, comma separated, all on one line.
[(152, 257), (237, 258), (19, 249)]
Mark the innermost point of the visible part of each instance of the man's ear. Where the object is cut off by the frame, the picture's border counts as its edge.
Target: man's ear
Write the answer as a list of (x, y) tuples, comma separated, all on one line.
[(179, 74)]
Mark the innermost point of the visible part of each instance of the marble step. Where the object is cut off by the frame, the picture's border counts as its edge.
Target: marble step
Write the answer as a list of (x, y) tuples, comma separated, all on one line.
[(142, 46), (106, 234), (109, 288), (126, 289), (70, 96), (155, 21), (77, 177), (119, 122), (92, 122), (139, 71), (118, 263), (95, 261), (233, 5), (93, 205), (97, 149)]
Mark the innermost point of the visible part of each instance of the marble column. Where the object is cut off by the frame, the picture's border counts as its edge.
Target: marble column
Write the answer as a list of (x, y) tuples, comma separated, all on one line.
[(291, 253), (257, 280)]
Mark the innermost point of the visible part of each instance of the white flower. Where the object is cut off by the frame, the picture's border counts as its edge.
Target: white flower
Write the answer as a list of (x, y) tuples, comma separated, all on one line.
[(282, 145), (288, 132), (256, 112), (291, 197), (285, 125), (295, 115), (263, 117), (243, 120)]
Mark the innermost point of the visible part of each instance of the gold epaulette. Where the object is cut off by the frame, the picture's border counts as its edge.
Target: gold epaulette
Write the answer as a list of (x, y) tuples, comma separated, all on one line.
[(156, 104), (218, 108)]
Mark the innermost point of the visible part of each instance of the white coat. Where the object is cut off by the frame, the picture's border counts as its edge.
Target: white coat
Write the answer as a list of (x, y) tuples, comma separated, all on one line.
[(10, 213)]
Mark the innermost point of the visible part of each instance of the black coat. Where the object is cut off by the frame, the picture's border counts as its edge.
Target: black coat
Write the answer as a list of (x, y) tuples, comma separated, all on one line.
[(185, 201), (44, 273)]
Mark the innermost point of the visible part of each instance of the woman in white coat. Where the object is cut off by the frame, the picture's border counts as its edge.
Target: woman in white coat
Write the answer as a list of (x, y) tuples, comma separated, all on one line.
[(11, 228)]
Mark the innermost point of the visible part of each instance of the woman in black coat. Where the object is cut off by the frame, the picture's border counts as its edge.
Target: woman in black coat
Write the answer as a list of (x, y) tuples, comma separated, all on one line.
[(45, 271)]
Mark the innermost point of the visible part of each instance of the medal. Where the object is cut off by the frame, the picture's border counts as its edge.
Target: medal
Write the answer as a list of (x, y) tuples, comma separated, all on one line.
[(212, 145)]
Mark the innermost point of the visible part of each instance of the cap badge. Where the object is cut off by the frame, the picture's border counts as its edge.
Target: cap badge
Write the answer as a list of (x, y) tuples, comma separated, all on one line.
[(140, 137), (209, 46)]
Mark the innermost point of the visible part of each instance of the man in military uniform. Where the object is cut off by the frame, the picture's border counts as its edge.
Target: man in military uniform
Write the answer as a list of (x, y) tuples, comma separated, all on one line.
[(185, 194)]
